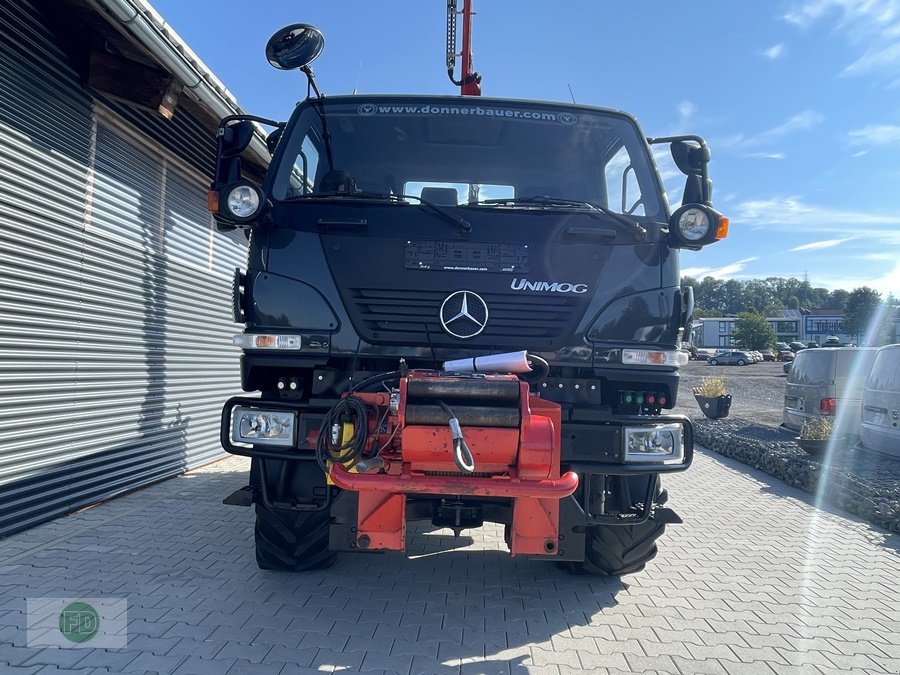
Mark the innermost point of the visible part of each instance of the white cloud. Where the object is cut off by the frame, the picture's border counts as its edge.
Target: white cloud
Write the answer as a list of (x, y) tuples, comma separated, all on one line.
[(792, 214), (802, 121), (887, 282), (860, 153), (817, 245), (793, 211), (799, 122), (766, 155), (774, 52), (874, 25), (686, 109), (724, 272), (875, 134)]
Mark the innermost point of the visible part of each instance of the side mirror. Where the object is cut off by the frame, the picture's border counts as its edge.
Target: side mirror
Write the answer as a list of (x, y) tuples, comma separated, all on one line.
[(690, 158), (295, 46), (235, 137)]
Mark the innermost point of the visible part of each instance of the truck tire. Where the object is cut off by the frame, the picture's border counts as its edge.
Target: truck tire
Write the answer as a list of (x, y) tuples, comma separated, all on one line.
[(614, 550), (292, 541)]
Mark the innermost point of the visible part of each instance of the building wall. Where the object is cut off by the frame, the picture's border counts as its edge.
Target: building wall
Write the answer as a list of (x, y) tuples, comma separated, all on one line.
[(115, 343)]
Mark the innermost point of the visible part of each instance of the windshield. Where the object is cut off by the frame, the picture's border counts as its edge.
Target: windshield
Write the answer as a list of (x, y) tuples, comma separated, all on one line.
[(454, 153)]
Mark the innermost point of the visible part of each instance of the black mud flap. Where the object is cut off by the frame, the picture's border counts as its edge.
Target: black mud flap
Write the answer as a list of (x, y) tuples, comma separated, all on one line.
[(664, 514), (240, 497)]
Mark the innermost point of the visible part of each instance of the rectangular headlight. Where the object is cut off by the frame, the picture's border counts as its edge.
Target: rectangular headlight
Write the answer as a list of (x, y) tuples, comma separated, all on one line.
[(259, 341), (263, 427), (661, 443), (655, 357)]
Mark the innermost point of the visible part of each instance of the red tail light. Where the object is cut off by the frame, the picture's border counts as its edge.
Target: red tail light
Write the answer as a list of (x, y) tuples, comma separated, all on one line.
[(826, 406)]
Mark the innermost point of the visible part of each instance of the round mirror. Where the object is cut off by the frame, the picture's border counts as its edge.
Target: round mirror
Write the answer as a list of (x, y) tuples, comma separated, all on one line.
[(294, 46)]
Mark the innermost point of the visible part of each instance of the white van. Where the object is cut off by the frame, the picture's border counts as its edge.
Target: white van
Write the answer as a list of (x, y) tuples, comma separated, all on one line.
[(827, 382), (880, 427)]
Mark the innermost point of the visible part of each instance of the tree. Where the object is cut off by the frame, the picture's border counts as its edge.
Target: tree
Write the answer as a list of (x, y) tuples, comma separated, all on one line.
[(862, 304), (752, 331), (837, 299)]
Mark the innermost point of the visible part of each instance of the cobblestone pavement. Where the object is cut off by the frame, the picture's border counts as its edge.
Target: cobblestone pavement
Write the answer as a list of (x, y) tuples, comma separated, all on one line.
[(757, 580)]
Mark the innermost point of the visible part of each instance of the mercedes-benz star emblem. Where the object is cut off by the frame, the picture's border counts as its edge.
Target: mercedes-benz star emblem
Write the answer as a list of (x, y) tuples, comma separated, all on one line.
[(464, 314)]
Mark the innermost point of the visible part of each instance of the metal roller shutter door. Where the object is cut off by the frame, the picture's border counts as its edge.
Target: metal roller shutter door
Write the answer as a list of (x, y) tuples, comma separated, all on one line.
[(115, 325)]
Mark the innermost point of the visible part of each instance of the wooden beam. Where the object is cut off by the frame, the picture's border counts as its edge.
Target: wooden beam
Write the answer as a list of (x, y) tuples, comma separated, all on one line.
[(134, 82)]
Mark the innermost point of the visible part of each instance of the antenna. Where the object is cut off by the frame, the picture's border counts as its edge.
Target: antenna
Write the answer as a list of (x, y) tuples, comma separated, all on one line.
[(356, 84), (571, 93)]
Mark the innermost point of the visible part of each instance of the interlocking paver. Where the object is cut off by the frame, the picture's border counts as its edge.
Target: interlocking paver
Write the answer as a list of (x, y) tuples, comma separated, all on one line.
[(756, 580)]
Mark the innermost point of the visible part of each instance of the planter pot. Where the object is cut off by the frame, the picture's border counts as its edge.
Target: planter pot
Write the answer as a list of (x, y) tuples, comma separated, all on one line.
[(714, 407), (818, 448), (813, 447)]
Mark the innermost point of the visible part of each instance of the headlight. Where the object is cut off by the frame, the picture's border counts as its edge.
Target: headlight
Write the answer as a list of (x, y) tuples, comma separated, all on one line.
[(263, 427), (242, 201), (694, 224), (661, 443), (654, 357), (259, 341)]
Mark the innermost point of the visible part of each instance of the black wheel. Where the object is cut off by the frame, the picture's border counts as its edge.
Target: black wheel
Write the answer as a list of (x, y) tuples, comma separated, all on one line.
[(741, 362), (292, 541), (713, 362), (614, 550)]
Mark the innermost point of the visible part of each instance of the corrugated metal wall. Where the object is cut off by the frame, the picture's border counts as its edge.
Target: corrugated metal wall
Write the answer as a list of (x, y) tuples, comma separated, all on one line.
[(115, 350)]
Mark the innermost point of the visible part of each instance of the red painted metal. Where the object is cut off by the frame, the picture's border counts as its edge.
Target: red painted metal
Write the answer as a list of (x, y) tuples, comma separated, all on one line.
[(471, 86), (381, 521), (523, 464), (494, 486), (535, 527), (540, 443), (428, 448)]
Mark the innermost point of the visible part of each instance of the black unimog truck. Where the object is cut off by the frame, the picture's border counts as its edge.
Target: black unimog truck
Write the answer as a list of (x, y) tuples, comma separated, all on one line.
[(398, 241)]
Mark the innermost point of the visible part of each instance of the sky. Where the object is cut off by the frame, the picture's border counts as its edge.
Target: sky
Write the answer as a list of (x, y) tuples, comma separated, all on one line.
[(799, 100)]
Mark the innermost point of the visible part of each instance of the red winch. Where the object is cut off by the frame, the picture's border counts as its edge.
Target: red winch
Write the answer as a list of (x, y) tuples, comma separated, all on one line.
[(459, 435)]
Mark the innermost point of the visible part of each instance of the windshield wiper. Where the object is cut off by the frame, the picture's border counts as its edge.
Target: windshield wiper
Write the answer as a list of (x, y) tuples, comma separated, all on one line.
[(632, 225), (464, 226)]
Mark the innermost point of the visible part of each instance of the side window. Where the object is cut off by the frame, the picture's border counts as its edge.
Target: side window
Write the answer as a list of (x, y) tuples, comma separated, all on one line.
[(623, 194), (303, 173)]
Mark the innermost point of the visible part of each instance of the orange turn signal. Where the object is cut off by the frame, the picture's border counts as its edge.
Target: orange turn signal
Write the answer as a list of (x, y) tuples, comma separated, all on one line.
[(212, 201), (722, 230)]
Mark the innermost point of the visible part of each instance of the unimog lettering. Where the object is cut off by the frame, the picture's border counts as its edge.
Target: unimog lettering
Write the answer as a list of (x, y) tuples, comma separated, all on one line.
[(546, 286)]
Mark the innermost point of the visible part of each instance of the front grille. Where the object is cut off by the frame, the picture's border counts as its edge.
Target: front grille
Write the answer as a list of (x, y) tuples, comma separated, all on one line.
[(388, 314)]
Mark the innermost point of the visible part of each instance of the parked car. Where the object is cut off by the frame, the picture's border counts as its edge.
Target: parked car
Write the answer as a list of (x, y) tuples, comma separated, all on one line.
[(781, 346), (812, 345), (832, 341), (880, 426), (767, 355), (704, 354), (730, 358), (787, 366), (827, 383), (786, 355), (797, 346)]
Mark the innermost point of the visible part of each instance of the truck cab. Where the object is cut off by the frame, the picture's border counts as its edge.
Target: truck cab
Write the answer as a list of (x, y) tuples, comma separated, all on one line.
[(419, 256)]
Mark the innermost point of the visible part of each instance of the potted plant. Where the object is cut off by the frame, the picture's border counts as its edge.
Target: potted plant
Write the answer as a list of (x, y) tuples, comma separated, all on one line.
[(815, 435), (714, 399)]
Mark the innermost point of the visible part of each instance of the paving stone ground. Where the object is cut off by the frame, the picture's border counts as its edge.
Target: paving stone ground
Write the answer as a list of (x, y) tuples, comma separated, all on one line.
[(757, 580)]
